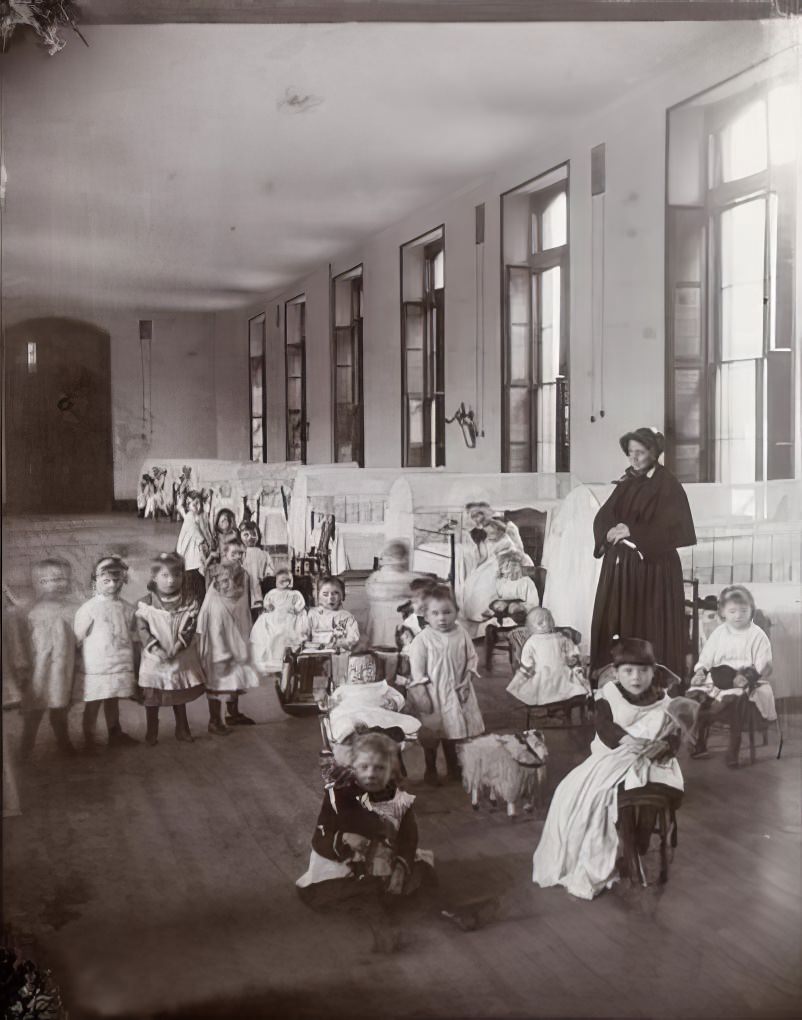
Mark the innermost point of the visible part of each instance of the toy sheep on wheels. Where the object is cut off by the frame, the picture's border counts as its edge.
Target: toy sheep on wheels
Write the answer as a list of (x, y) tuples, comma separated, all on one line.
[(508, 767)]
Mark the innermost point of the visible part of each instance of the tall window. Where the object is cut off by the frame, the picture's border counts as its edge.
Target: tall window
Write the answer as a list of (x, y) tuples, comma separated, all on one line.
[(423, 424), (348, 399), (535, 432), (295, 355), (258, 397), (730, 281)]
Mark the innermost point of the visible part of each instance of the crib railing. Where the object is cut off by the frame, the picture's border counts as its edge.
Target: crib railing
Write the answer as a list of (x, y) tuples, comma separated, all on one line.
[(744, 555)]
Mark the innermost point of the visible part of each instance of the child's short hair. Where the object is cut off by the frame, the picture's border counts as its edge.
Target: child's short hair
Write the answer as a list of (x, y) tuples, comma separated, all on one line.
[(496, 524), (441, 593), (171, 560), (231, 538), (736, 593), (111, 564), (250, 526), (422, 584), (283, 570), (226, 569), (336, 581), (51, 563), (538, 613), (376, 743)]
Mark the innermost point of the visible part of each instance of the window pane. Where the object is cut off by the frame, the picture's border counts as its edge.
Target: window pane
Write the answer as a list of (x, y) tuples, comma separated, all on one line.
[(345, 347), (520, 345), (345, 393), (550, 324), (547, 428), (743, 143), (687, 462), (784, 114), (413, 323), (736, 413), (439, 270), (294, 434), (518, 295), (687, 322), (520, 430), (519, 457), (688, 402), (534, 234), (414, 372), (742, 245), (294, 363), (294, 394), (415, 422), (555, 222)]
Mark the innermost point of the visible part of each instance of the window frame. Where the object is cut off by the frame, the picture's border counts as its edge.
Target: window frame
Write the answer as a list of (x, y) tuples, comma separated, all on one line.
[(356, 327), (251, 417), (299, 299)]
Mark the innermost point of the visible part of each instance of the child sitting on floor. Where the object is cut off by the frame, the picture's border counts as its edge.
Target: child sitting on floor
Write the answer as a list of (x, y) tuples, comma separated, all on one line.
[(51, 654), (637, 736), (732, 673), (550, 665), (257, 563), (224, 625), (170, 672), (515, 593), (440, 692), (365, 843), (282, 625), (105, 633)]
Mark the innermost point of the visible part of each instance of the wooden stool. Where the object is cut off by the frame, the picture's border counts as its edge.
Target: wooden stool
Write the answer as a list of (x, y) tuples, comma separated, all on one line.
[(629, 804)]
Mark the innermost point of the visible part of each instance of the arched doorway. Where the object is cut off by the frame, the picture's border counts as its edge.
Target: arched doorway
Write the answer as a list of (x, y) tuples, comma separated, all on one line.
[(58, 453)]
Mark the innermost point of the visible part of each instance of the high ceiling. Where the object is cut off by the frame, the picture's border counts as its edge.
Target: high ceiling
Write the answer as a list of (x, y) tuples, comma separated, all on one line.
[(195, 167)]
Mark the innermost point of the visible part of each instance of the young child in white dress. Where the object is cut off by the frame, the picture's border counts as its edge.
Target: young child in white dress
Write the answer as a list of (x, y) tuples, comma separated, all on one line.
[(195, 543), (170, 671), (732, 673), (107, 641), (50, 653), (328, 624), (638, 729), (550, 668), (257, 563), (515, 593), (224, 626), (282, 625), (440, 691)]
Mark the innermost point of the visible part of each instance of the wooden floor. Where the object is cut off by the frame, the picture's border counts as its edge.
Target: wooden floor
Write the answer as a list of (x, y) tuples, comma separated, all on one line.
[(159, 882)]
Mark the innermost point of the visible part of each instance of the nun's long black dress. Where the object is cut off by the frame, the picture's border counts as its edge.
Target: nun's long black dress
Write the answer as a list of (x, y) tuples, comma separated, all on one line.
[(640, 592)]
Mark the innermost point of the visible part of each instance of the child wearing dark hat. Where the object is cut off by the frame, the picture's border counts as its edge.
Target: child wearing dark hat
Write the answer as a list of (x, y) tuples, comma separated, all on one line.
[(106, 636), (638, 730), (170, 672)]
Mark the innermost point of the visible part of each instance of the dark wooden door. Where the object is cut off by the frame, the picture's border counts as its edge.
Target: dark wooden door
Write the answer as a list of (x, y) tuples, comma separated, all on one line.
[(58, 417)]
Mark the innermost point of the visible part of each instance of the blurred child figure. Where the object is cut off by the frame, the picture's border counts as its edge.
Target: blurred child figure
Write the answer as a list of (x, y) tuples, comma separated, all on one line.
[(440, 692), (195, 543), (282, 625), (106, 635), (257, 563), (550, 666), (51, 654), (365, 844), (515, 593), (170, 671), (412, 622), (328, 624), (385, 588), (732, 672), (638, 730), (224, 626)]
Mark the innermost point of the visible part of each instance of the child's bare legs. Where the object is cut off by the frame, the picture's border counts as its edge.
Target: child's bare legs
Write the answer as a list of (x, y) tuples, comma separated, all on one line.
[(233, 715), (89, 722), (152, 715), (452, 760), (430, 758), (30, 727), (216, 724), (60, 727), (111, 710), (182, 731)]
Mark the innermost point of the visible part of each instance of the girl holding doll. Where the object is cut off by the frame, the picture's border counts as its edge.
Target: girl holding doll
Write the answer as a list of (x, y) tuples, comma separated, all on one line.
[(638, 731), (170, 672), (224, 625), (106, 636), (440, 691), (257, 563)]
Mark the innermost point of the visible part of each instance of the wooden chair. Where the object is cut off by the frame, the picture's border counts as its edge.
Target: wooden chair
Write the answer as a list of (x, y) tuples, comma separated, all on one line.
[(630, 802)]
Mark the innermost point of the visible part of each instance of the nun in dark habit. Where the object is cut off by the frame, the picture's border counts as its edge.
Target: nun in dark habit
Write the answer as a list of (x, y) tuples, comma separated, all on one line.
[(638, 532)]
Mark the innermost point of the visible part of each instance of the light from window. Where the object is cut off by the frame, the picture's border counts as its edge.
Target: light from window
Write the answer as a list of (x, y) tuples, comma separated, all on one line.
[(31, 357), (555, 222), (550, 331), (784, 117), (439, 270), (736, 414), (743, 143), (742, 284)]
